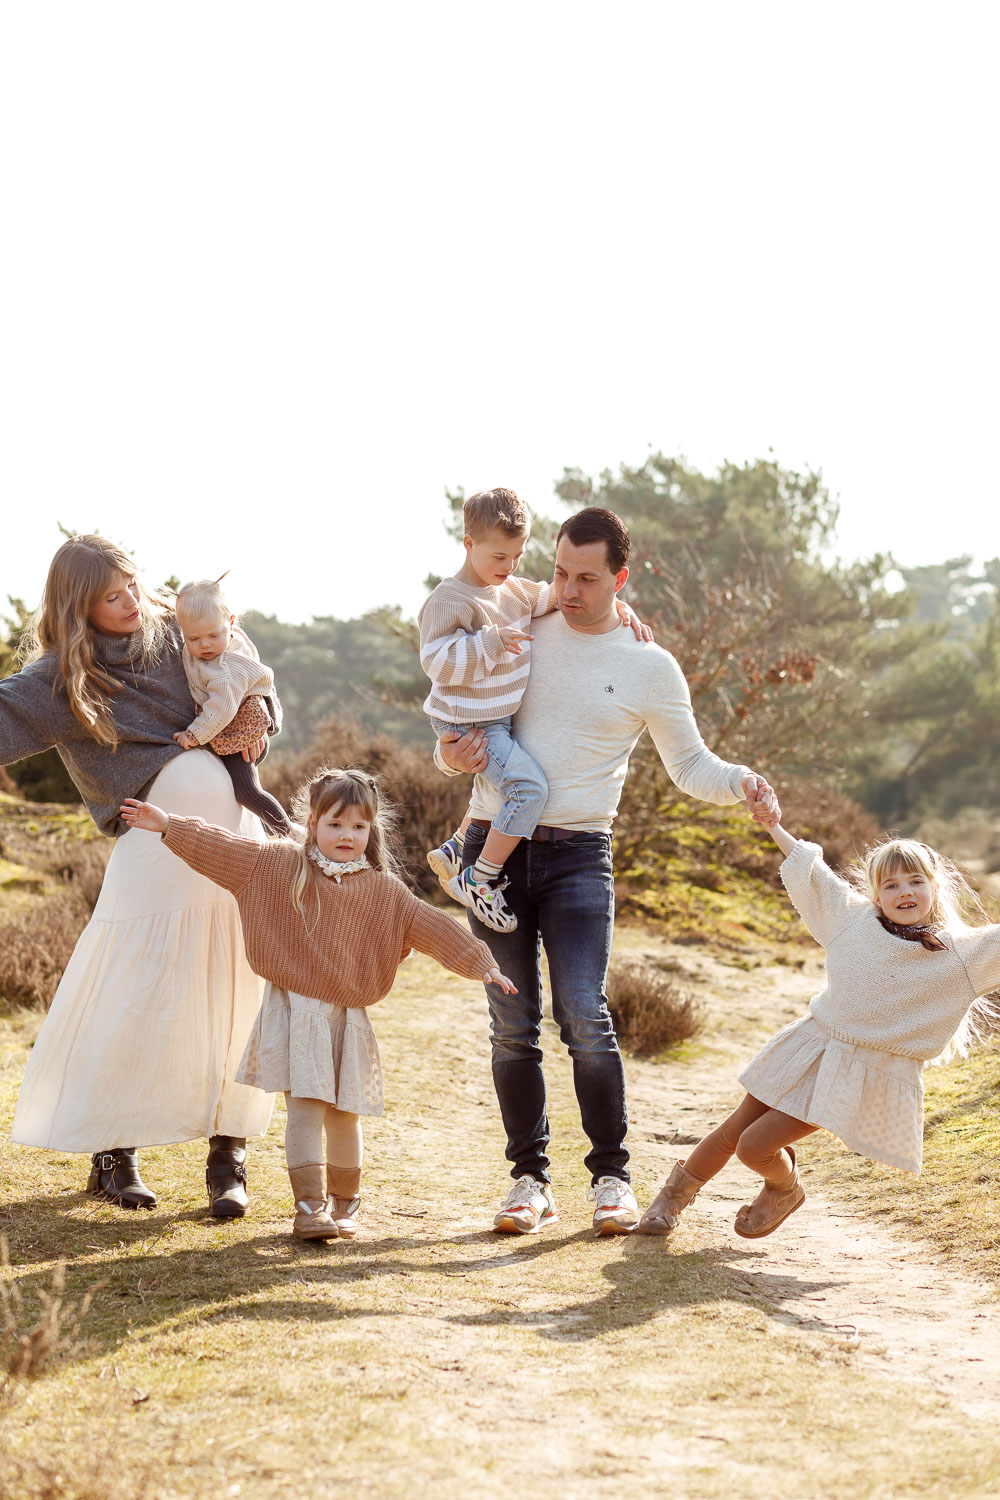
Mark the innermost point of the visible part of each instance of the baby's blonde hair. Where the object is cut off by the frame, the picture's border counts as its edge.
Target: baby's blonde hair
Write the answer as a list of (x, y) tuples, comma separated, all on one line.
[(955, 908), (333, 789), (83, 569), (202, 600)]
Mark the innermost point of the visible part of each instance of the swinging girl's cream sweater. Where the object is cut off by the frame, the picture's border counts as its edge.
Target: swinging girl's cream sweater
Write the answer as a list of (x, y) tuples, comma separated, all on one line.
[(882, 991), (355, 934)]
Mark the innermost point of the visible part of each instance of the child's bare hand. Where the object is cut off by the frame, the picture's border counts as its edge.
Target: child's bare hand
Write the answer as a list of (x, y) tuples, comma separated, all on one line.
[(628, 616), (493, 976), (511, 639), (144, 815), (186, 738), (762, 801)]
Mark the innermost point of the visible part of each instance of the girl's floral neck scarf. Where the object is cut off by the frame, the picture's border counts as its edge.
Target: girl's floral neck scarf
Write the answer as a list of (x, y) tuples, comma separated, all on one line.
[(336, 871), (916, 933)]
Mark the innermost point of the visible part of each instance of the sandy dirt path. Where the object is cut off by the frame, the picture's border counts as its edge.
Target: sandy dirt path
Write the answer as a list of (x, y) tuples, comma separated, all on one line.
[(828, 1271)]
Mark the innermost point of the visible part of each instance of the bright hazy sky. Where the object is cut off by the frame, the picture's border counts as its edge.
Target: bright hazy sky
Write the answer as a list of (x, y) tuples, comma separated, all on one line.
[(275, 276)]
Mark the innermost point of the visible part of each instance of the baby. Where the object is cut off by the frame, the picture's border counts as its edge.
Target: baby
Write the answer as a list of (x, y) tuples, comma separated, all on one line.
[(229, 684)]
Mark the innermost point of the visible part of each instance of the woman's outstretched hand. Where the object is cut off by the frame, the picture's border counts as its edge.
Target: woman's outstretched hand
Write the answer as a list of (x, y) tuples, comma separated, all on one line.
[(144, 815), (493, 976)]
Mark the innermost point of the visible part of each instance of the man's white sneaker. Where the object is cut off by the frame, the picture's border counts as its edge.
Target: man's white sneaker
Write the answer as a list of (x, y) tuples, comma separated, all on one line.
[(615, 1208), (445, 861), (485, 901), (527, 1208)]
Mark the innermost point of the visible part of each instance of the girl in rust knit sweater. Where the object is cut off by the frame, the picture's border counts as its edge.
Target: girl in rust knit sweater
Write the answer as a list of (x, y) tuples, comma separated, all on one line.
[(326, 922)]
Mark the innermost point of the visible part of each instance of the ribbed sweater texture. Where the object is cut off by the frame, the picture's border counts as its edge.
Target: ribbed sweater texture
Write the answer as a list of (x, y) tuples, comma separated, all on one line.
[(220, 685), (355, 934), (882, 991), (474, 680)]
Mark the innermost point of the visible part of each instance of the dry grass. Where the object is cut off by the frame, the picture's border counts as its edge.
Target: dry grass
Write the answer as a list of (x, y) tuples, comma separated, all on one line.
[(650, 1011), (955, 1202), (228, 1359), (29, 1345)]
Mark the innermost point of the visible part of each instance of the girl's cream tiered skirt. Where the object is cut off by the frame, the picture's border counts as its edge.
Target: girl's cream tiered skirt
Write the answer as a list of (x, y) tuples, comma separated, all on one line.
[(874, 1101), (314, 1050), (144, 1036)]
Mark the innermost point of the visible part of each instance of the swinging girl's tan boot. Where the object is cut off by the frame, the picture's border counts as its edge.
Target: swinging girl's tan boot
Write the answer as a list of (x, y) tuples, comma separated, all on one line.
[(342, 1186), (670, 1202), (772, 1205), (313, 1220)]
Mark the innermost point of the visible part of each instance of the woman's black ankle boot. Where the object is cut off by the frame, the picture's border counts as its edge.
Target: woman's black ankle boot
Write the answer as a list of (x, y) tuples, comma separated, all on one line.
[(115, 1175), (226, 1176)]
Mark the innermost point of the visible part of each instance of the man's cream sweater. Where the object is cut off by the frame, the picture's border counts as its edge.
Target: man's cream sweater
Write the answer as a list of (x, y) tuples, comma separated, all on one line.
[(587, 701), (355, 933)]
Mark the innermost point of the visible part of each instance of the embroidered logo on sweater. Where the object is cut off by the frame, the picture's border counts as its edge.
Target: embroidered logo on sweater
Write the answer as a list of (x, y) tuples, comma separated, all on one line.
[(609, 688)]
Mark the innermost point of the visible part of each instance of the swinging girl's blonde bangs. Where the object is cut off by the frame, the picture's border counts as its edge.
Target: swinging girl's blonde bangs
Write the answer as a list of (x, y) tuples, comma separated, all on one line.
[(82, 570)]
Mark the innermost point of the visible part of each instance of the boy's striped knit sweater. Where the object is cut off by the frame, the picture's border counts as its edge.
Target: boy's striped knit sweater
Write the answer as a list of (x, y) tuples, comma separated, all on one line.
[(355, 933), (473, 679)]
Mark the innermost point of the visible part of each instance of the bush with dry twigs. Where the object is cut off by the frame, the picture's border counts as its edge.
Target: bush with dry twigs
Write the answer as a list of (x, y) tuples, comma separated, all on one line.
[(430, 805), (31, 1343), (649, 1010)]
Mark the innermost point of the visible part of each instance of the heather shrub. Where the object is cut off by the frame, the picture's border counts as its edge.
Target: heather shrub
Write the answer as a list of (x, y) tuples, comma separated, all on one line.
[(649, 1010), (430, 805)]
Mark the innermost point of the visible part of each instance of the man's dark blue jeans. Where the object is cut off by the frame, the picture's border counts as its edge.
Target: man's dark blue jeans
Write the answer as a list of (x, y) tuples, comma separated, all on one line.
[(563, 896)]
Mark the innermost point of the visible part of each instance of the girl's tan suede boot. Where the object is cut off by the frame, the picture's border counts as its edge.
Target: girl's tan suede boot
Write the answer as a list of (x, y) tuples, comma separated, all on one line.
[(670, 1202), (343, 1185), (772, 1205), (313, 1220)]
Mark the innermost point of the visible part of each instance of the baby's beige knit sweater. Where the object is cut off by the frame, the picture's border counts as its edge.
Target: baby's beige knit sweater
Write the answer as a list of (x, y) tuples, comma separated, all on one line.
[(356, 931)]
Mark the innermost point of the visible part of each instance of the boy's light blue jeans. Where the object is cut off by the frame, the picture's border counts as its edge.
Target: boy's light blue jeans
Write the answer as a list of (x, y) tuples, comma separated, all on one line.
[(512, 772)]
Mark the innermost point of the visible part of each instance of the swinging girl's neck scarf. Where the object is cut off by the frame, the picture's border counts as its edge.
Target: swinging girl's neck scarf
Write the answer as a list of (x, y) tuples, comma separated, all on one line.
[(336, 871), (917, 932)]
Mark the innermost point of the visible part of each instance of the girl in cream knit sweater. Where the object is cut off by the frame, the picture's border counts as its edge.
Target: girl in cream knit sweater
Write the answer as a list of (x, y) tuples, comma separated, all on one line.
[(326, 922), (904, 977)]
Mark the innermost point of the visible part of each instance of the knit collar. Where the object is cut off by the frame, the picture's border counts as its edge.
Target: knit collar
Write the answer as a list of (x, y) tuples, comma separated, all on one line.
[(119, 650), (336, 871), (920, 932)]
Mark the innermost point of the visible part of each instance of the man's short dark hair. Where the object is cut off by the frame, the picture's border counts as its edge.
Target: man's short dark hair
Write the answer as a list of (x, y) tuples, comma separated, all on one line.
[(595, 524)]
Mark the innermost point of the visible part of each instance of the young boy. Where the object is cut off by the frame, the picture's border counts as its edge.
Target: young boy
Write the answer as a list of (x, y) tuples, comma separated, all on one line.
[(476, 650)]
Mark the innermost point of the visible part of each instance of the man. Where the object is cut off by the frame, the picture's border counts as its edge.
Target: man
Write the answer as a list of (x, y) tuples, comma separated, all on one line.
[(592, 690)]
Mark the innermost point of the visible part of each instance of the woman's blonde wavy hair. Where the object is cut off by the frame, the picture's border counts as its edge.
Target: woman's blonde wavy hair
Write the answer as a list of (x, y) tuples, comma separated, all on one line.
[(333, 789), (955, 908), (83, 569)]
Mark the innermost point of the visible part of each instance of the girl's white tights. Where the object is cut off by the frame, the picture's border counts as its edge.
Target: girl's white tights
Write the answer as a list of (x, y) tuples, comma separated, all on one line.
[(307, 1119)]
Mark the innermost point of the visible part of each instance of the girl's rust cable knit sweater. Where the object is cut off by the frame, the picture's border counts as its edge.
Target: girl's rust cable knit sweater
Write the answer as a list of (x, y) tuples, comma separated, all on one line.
[(355, 934)]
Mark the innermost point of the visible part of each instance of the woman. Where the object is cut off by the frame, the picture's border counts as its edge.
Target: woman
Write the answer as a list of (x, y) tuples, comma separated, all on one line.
[(147, 1027)]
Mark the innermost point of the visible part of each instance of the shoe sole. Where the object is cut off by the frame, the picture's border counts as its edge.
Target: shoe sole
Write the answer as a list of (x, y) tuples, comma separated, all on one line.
[(509, 1225), (443, 870), (119, 1202), (612, 1226), (226, 1210)]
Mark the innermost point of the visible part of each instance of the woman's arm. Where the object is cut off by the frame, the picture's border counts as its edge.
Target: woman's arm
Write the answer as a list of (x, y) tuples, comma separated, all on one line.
[(28, 714)]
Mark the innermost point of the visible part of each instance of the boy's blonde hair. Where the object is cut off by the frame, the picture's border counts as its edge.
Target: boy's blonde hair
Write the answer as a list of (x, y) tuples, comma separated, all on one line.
[(495, 510), (202, 600), (331, 790), (955, 908), (82, 570)]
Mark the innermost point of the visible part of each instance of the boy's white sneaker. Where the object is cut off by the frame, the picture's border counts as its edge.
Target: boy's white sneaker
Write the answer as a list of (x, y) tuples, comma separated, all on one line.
[(485, 901), (445, 861), (615, 1208), (527, 1208)]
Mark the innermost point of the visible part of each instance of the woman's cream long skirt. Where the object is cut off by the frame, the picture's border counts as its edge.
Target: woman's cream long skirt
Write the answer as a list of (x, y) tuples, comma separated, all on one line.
[(141, 1044)]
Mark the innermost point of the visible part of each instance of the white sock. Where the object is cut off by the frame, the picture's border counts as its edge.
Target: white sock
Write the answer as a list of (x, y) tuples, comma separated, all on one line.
[(485, 870)]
